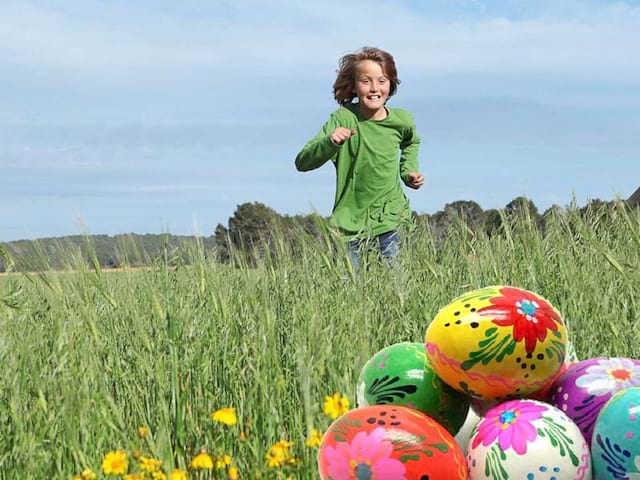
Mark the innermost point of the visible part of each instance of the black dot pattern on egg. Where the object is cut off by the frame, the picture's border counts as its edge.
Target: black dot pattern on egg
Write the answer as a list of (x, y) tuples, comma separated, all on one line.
[(532, 361), (461, 312), (385, 417)]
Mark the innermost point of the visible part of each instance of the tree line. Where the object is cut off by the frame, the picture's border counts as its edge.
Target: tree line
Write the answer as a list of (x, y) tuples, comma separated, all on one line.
[(252, 231)]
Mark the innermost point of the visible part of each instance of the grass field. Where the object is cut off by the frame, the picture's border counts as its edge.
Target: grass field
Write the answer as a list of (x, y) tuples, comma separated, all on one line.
[(88, 357)]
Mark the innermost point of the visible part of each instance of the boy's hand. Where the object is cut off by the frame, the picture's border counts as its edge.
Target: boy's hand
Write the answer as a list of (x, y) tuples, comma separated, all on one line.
[(415, 180), (341, 134)]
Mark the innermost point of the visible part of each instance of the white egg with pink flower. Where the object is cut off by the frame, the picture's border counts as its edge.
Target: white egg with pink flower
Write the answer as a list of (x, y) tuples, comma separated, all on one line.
[(529, 440)]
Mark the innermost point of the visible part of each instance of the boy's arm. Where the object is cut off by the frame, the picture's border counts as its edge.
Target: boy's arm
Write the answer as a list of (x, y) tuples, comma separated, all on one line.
[(319, 149), (409, 152)]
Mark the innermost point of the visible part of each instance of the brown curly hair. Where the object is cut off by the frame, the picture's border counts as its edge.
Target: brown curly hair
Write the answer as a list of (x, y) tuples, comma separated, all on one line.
[(343, 87)]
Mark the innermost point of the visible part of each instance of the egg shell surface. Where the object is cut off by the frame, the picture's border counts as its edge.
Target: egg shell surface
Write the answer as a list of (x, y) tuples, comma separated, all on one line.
[(616, 437), (498, 342), (391, 443), (530, 440), (582, 391), (401, 374)]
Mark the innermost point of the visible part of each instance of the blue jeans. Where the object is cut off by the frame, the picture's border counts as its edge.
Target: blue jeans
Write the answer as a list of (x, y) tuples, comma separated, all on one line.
[(388, 247)]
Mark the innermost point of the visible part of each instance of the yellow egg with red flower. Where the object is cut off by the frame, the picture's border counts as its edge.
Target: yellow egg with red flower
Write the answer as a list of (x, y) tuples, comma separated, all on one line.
[(498, 342)]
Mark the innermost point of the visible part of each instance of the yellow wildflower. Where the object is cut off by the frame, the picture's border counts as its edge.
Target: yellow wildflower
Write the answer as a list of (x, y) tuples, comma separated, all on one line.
[(278, 454), (284, 444), (202, 460), (149, 464), (143, 431), (274, 458), (158, 476), (88, 474), (115, 463), (336, 405), (226, 416), (232, 474), (179, 475), (314, 439), (223, 461)]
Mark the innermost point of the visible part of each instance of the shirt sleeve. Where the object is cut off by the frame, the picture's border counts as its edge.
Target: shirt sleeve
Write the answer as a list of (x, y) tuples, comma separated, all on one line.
[(319, 149), (409, 151)]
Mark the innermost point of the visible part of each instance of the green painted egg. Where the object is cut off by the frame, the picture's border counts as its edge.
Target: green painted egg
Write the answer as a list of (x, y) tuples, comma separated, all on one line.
[(402, 375)]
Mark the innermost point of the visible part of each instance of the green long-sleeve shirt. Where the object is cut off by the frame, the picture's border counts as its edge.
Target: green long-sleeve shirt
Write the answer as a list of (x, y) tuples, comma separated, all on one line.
[(369, 167)]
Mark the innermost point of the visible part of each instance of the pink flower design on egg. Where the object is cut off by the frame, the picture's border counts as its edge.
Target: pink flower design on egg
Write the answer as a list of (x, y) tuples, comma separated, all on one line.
[(367, 457), (510, 423)]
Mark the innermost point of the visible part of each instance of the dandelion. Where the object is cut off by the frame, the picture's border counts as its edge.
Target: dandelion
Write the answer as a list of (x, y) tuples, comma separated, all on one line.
[(223, 461), (115, 463), (178, 474), (274, 458), (279, 454), (143, 431), (314, 439), (158, 476), (232, 474), (203, 460), (226, 416), (336, 405), (88, 474), (148, 464)]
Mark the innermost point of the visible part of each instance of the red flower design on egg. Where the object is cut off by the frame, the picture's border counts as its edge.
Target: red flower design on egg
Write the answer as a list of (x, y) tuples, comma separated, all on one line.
[(530, 316)]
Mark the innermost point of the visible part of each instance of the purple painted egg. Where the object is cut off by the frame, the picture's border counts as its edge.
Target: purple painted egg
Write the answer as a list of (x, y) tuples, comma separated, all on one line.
[(527, 440), (586, 386)]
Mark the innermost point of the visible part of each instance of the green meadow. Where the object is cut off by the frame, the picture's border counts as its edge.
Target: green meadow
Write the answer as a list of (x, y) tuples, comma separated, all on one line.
[(89, 356)]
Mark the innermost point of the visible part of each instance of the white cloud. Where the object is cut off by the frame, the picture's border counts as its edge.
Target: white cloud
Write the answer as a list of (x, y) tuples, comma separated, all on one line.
[(286, 36)]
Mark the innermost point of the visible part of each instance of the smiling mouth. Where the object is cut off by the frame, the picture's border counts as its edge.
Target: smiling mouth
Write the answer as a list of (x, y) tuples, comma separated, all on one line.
[(374, 97)]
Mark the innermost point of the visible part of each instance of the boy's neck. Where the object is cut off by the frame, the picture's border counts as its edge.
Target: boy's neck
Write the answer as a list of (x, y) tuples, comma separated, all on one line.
[(379, 114)]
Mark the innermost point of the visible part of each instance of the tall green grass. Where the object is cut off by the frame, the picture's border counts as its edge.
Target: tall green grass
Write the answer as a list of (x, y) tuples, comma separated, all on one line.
[(89, 356)]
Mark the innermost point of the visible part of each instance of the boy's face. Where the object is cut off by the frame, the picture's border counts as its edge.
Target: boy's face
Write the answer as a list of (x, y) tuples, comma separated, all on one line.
[(372, 86)]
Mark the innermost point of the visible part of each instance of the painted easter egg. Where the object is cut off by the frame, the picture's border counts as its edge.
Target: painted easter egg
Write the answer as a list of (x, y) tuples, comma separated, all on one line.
[(545, 392), (400, 374), (615, 449), (586, 386), (464, 435), (527, 439), (389, 442), (497, 343)]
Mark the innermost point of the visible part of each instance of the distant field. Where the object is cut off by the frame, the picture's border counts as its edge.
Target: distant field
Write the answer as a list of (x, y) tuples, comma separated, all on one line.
[(87, 358)]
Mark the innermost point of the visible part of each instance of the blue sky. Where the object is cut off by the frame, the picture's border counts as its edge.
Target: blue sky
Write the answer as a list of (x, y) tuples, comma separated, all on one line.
[(147, 116)]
